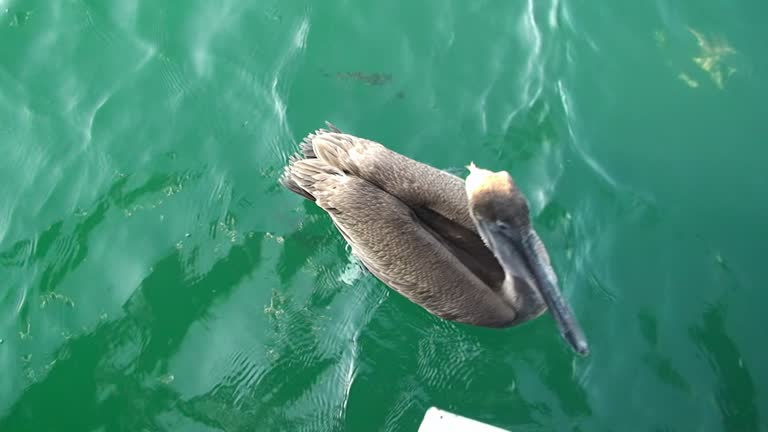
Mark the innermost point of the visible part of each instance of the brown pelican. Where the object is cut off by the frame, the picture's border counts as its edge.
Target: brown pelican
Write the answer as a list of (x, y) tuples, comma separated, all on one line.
[(465, 251)]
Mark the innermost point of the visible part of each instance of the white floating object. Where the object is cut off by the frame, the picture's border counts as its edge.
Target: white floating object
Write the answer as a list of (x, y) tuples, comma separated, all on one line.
[(438, 420)]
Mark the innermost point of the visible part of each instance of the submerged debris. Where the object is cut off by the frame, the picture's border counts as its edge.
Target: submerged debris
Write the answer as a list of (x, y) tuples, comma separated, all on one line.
[(375, 78)]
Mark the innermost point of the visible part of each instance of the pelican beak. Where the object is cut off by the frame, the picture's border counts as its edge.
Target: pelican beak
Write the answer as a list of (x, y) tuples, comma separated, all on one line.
[(545, 279), (521, 252)]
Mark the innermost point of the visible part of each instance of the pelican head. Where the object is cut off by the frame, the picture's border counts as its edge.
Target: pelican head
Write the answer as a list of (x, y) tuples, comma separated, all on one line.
[(500, 212)]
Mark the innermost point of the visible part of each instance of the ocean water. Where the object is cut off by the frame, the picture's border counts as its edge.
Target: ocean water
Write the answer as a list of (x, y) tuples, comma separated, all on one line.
[(155, 277)]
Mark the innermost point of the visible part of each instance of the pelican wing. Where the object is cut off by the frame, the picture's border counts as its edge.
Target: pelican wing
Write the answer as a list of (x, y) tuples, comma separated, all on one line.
[(416, 184)]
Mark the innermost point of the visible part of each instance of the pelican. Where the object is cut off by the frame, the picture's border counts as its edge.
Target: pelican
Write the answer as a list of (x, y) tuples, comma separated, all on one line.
[(463, 250)]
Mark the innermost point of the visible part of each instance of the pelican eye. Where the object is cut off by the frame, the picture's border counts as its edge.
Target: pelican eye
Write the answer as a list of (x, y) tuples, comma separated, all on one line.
[(509, 231)]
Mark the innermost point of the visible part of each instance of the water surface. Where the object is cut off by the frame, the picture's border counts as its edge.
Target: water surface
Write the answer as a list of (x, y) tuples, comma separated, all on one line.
[(156, 277)]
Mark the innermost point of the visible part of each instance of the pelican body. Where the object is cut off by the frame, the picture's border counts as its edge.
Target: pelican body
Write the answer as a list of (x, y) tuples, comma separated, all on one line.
[(463, 250)]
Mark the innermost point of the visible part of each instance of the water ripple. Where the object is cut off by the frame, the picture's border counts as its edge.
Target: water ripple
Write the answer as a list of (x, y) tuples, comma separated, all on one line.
[(570, 121)]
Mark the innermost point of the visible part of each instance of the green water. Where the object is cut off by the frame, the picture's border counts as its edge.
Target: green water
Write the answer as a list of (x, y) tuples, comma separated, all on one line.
[(155, 277)]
